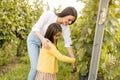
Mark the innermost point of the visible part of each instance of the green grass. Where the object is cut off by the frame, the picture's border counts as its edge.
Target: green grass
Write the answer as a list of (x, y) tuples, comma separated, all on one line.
[(20, 72)]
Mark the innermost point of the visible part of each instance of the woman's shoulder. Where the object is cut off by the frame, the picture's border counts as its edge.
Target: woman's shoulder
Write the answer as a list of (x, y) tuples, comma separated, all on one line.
[(64, 28), (49, 12)]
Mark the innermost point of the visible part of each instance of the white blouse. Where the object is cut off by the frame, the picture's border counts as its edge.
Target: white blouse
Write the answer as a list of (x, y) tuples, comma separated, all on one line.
[(45, 20)]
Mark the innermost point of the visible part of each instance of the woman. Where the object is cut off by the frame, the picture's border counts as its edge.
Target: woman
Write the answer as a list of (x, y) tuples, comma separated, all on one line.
[(36, 36), (47, 62)]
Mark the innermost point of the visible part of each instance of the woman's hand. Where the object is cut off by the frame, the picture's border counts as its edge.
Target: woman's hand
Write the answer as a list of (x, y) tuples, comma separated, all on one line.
[(44, 43)]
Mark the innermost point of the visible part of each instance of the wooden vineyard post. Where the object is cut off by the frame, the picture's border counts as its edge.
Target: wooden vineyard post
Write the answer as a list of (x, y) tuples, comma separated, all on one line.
[(99, 32)]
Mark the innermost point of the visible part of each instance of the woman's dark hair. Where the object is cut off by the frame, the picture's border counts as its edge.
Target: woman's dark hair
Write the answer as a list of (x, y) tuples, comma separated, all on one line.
[(68, 11), (52, 29)]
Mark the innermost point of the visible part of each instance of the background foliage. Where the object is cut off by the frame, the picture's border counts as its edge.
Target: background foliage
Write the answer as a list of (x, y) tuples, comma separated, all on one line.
[(16, 20), (109, 67)]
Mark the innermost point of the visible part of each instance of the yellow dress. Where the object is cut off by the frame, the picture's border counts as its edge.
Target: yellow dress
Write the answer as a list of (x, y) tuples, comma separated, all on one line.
[(48, 63), (48, 59)]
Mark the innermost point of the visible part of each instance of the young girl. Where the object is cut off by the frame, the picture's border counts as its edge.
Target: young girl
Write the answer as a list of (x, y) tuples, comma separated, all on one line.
[(47, 62), (36, 36)]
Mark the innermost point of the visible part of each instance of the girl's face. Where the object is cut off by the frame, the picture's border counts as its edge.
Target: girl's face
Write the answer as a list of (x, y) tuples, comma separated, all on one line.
[(56, 36), (67, 20)]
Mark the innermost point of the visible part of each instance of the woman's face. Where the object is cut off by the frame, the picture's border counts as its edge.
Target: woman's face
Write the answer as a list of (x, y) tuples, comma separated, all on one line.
[(67, 20), (56, 36)]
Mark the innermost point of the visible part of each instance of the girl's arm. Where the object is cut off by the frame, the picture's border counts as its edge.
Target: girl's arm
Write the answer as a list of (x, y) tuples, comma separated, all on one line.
[(53, 50)]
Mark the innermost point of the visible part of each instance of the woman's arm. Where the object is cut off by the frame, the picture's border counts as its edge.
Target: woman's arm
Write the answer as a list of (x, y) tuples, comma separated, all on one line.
[(70, 51), (67, 40), (43, 40), (37, 28)]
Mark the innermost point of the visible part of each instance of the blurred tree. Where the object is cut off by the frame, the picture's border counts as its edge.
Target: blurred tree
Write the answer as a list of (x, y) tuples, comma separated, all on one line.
[(16, 19), (110, 54)]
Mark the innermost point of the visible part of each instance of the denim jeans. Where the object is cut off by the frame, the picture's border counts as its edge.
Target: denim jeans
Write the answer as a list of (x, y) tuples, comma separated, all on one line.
[(33, 46)]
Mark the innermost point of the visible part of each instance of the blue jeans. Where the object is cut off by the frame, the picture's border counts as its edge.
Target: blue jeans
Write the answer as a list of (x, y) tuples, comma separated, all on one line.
[(33, 46)]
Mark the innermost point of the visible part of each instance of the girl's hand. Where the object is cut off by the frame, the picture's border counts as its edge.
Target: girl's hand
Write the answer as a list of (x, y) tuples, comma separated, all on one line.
[(44, 43), (74, 68)]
